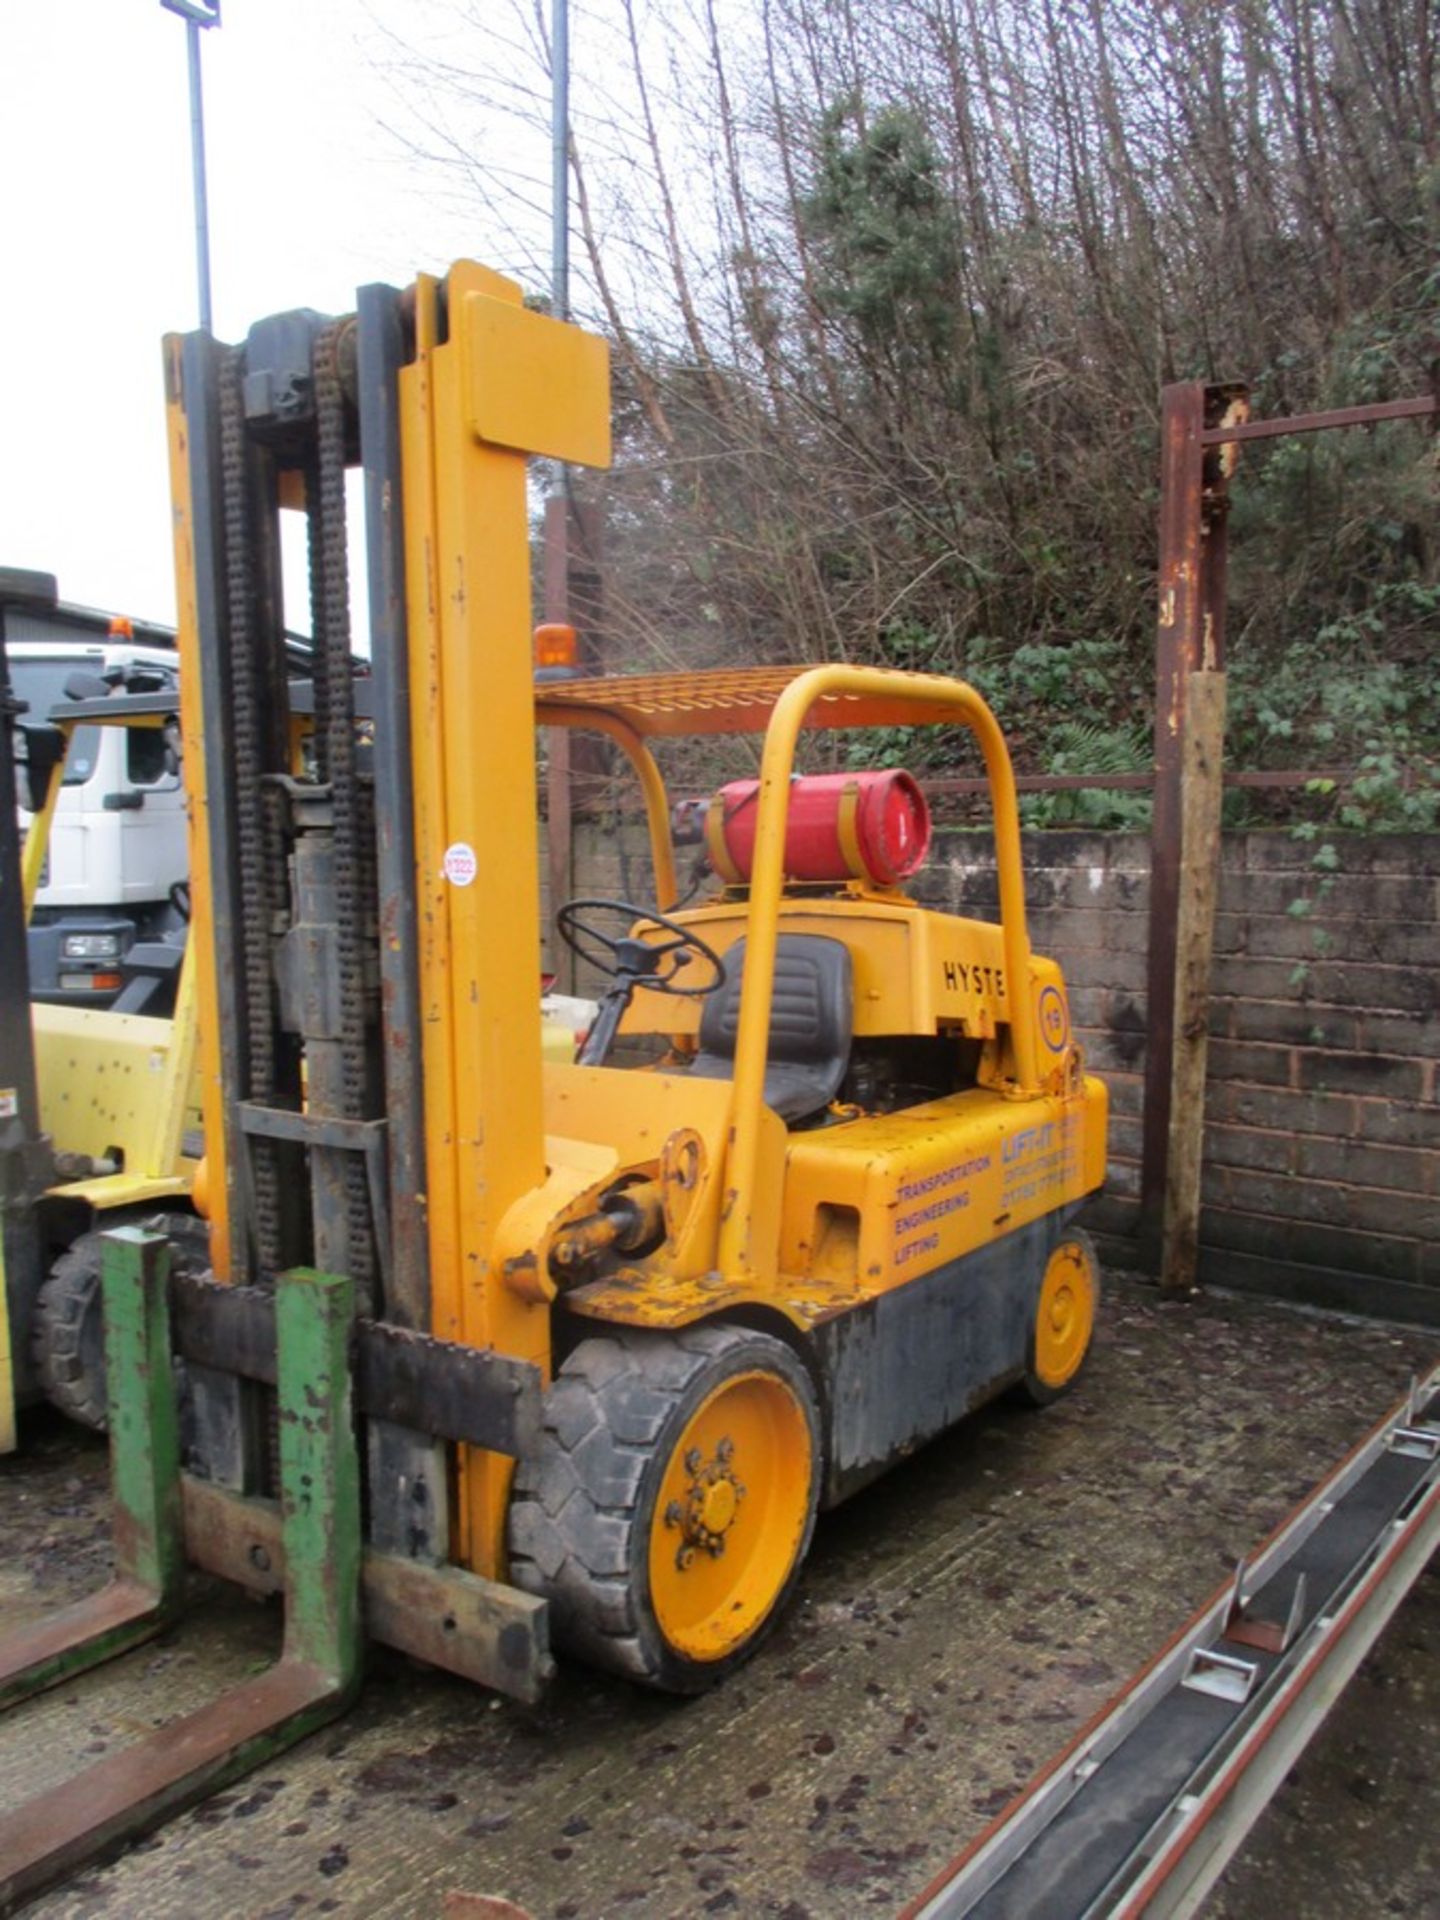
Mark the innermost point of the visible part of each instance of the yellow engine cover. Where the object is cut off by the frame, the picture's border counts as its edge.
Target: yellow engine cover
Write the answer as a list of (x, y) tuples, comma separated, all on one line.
[(873, 1203)]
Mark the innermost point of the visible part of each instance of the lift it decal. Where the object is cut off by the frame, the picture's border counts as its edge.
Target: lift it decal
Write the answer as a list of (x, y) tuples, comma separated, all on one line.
[(1041, 1161)]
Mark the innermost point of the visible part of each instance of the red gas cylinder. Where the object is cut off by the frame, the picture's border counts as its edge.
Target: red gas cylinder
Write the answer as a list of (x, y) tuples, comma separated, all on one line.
[(841, 826)]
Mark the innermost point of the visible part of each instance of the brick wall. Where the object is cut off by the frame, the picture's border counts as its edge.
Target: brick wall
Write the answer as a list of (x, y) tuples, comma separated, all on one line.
[(1322, 1177)]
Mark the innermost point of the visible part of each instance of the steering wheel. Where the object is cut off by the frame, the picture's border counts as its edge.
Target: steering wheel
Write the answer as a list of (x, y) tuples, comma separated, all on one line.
[(622, 956)]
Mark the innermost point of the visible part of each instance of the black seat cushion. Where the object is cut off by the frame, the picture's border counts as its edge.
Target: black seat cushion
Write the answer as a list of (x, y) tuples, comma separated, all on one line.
[(811, 1016)]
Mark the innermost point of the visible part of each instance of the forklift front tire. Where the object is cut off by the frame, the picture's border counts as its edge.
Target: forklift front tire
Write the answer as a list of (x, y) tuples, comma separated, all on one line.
[(670, 1507), (68, 1341), (1064, 1319), (68, 1328)]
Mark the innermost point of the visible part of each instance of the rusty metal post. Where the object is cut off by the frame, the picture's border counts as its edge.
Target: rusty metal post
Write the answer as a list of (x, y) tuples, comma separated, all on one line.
[(1190, 637)]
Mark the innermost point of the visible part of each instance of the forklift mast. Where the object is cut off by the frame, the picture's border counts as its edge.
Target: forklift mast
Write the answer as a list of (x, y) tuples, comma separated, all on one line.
[(376, 1120)]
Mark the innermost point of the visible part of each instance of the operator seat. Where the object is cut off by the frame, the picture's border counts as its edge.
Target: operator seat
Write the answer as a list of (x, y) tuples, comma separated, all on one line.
[(811, 1019)]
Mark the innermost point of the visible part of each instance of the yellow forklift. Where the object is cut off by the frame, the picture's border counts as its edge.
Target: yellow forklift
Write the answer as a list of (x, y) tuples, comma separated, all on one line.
[(101, 1104), (838, 1209), (596, 1339)]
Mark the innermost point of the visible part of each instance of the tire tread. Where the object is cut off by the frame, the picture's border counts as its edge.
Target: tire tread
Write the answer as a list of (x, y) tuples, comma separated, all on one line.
[(573, 1510)]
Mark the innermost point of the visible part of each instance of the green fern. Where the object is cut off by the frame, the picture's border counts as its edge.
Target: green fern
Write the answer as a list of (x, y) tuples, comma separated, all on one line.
[(1090, 747)]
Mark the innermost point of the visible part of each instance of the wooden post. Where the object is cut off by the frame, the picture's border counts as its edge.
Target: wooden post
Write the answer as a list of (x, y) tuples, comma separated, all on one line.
[(1179, 626), (1190, 638), (1201, 783)]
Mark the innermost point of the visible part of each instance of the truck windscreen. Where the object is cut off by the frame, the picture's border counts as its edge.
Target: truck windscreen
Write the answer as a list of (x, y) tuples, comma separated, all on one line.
[(41, 684)]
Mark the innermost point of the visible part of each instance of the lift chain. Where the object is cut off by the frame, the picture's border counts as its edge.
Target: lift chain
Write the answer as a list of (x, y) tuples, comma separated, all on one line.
[(319, 659), (256, 896), (335, 728)]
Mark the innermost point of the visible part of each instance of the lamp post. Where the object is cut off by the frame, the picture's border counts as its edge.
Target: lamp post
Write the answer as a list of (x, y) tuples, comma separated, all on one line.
[(559, 795), (198, 14), (560, 161)]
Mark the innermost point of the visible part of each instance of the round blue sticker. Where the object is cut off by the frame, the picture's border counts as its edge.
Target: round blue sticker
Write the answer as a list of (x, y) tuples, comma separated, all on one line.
[(1054, 1020)]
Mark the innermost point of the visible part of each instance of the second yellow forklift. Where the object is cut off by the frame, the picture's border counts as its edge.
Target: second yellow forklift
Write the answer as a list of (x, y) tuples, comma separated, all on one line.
[(99, 1122)]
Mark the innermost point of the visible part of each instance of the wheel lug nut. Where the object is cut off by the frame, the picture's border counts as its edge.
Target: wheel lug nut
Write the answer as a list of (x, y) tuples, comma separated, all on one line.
[(693, 1460), (674, 1514)]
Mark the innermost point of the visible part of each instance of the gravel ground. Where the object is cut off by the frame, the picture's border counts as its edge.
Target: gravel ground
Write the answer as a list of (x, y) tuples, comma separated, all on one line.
[(956, 1623)]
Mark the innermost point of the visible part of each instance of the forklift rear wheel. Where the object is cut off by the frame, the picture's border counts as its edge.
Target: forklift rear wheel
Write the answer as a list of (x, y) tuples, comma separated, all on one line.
[(669, 1509), (68, 1337), (1064, 1319)]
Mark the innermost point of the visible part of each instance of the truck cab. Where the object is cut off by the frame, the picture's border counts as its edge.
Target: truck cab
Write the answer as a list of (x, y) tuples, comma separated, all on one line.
[(117, 850)]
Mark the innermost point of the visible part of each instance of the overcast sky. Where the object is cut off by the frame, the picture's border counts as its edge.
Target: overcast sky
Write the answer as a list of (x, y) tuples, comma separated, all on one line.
[(311, 194)]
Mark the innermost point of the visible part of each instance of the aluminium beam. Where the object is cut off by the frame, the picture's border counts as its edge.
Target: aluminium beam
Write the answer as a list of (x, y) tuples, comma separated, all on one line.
[(1140, 1813)]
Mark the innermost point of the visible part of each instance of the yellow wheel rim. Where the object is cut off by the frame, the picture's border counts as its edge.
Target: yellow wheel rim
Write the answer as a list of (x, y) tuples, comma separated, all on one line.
[(1065, 1317), (730, 1518)]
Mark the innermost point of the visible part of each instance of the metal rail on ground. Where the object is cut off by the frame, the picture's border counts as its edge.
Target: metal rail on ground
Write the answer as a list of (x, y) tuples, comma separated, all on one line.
[(1141, 1812)]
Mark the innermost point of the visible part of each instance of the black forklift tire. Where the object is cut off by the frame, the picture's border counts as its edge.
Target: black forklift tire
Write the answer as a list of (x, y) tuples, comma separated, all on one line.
[(1067, 1302), (68, 1334), (67, 1340), (587, 1521)]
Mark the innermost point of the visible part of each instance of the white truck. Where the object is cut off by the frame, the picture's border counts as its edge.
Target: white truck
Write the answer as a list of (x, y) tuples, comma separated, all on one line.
[(117, 860)]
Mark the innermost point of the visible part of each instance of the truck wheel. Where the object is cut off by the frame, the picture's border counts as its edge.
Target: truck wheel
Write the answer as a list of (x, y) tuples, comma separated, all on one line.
[(668, 1510), (1064, 1319), (68, 1332)]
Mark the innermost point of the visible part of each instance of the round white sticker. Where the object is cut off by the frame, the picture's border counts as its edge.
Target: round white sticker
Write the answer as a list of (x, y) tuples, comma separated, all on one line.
[(460, 864)]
